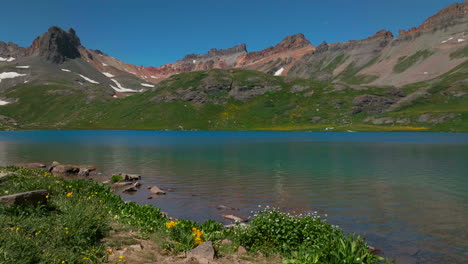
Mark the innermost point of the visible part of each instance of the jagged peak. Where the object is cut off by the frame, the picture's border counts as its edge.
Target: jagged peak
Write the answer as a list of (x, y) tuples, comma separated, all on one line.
[(56, 45)]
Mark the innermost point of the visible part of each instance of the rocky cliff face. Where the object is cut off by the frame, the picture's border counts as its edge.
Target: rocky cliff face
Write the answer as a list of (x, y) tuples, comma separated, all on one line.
[(56, 45), (450, 16), (11, 50)]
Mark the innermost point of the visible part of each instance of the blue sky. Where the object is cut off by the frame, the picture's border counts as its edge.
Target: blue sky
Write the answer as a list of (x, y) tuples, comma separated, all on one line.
[(153, 33)]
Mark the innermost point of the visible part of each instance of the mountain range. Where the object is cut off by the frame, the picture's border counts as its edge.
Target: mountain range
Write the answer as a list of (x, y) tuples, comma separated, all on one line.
[(415, 81)]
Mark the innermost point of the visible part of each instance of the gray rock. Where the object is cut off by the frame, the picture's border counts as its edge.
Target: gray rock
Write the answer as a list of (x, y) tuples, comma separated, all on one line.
[(203, 251), (25, 198)]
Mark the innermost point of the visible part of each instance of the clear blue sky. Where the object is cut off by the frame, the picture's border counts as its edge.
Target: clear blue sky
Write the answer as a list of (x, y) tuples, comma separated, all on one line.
[(153, 32)]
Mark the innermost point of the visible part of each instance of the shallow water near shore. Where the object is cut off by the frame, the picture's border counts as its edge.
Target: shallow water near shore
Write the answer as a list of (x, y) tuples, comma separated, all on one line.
[(407, 193)]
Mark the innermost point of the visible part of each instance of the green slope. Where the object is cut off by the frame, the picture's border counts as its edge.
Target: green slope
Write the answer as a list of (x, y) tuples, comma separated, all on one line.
[(313, 106)]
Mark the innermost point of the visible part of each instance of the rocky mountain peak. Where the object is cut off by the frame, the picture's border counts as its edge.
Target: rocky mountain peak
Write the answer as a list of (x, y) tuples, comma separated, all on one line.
[(448, 16), (294, 42), (381, 34), (56, 45)]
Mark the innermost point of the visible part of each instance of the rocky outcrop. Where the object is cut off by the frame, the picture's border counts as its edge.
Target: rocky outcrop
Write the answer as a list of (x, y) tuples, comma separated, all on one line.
[(25, 198), (56, 45), (372, 104)]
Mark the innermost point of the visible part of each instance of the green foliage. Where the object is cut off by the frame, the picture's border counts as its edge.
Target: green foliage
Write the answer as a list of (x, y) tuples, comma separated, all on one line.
[(350, 74), (116, 178), (338, 60), (302, 239), (460, 53), (406, 62)]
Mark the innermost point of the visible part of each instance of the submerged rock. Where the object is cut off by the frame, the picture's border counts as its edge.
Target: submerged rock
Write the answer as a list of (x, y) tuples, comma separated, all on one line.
[(234, 218), (225, 208), (156, 190), (130, 190)]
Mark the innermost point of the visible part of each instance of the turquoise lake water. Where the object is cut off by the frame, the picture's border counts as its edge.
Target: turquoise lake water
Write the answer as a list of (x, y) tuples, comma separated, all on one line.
[(407, 193)]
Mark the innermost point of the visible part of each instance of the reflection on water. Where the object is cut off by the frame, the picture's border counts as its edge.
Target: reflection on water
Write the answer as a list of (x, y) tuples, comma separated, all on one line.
[(405, 192)]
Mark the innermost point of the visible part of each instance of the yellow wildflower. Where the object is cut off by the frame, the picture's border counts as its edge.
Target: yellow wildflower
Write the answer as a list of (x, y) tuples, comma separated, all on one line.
[(70, 194), (38, 233), (197, 234), (171, 224), (85, 258)]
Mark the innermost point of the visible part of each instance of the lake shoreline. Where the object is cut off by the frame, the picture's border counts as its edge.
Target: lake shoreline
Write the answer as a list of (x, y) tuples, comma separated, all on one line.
[(223, 242)]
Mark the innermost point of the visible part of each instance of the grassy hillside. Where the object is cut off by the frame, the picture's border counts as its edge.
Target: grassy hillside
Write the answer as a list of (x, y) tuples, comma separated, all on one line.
[(246, 100)]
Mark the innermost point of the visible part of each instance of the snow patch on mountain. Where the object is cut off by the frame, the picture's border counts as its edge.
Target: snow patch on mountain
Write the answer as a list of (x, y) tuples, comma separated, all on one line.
[(147, 85), (10, 75), (108, 74), (122, 89), (4, 102), (7, 59), (23, 67), (88, 79), (279, 72), (66, 70)]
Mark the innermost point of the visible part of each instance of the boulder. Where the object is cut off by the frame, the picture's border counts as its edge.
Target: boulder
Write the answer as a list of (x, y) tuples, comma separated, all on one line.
[(204, 251), (234, 218), (156, 190), (25, 198)]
